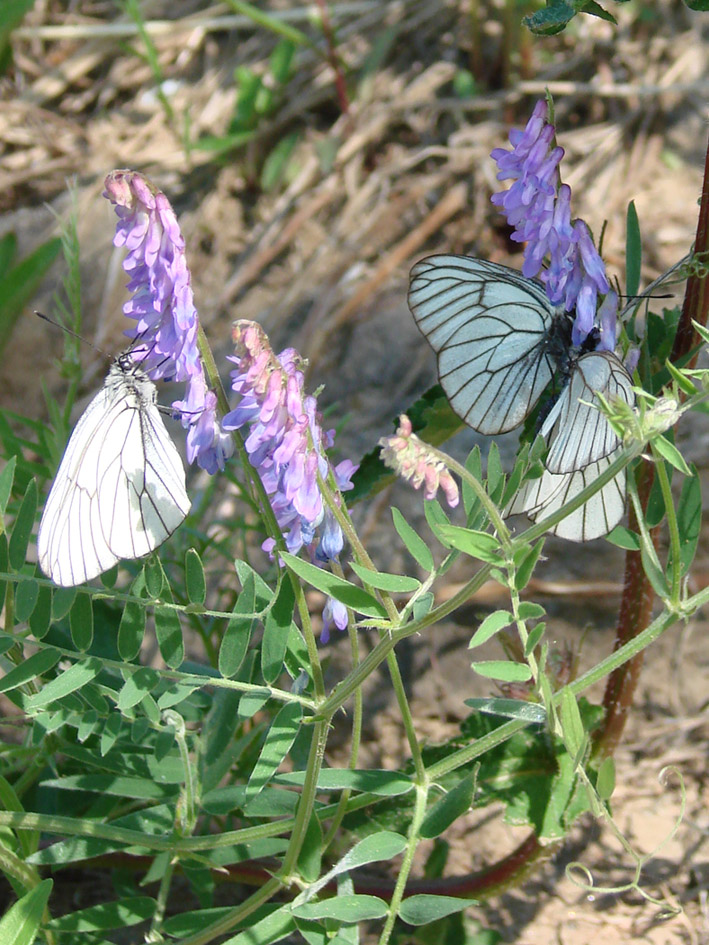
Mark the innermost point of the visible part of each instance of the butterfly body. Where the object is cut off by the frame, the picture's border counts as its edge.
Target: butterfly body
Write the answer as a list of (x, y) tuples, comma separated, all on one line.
[(120, 489)]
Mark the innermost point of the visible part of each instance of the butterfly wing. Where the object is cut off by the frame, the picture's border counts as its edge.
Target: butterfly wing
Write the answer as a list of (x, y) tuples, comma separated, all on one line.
[(595, 518), (578, 432), (490, 328), (120, 488)]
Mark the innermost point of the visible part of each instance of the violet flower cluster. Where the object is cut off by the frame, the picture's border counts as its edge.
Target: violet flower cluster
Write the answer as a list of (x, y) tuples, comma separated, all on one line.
[(538, 206), (162, 307), (286, 445)]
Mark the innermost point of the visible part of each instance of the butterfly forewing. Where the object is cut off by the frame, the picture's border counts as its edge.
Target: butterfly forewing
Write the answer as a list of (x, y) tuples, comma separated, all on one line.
[(120, 488), (491, 329), (578, 432)]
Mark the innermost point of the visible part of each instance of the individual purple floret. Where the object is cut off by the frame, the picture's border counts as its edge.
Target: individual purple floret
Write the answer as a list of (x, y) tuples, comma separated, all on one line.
[(286, 444), (538, 207), (162, 307)]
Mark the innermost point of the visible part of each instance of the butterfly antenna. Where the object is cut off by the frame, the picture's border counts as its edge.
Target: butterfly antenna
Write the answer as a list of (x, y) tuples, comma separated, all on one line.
[(74, 334)]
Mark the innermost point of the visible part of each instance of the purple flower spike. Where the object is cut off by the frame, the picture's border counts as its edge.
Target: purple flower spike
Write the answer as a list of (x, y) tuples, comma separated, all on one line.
[(286, 444), (538, 208), (162, 307)]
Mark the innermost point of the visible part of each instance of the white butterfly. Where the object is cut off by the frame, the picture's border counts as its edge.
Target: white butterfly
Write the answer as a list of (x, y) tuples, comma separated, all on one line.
[(499, 342), (120, 488), (498, 338)]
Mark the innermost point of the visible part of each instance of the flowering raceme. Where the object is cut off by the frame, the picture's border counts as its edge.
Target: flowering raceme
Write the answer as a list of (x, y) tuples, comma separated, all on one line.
[(162, 306), (538, 206), (286, 445), (416, 461)]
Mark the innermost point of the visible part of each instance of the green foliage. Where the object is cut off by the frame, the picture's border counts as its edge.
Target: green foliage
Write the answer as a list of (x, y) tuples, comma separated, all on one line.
[(12, 13)]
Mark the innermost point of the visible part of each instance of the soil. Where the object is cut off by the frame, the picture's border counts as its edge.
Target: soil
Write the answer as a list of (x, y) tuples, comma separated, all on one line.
[(321, 260)]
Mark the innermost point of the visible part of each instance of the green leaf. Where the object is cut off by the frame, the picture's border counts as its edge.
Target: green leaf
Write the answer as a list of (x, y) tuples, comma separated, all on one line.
[(81, 622), (528, 610), (62, 600), (22, 529), (383, 581), (605, 782), (701, 6), (572, 726), (168, 631), (534, 638), (653, 573), (449, 808), (131, 630), (348, 594), (595, 9), (20, 285), (20, 924), (276, 164), (276, 629), (36, 665), (310, 855), (42, 614), (347, 909), (111, 731), (526, 567), (424, 908), (372, 781), (495, 473), (415, 545), (279, 741), (26, 594), (70, 680), (236, 638), (139, 683), (476, 544), (108, 915), (504, 670), (279, 62), (689, 519), (683, 382), (509, 709), (490, 626), (669, 452), (623, 537), (194, 576), (7, 477), (154, 575), (550, 20)]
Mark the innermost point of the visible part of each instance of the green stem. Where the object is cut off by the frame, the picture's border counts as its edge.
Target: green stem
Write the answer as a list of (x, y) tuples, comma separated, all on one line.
[(405, 869), (155, 935), (307, 800), (356, 740), (672, 527), (407, 718), (226, 924)]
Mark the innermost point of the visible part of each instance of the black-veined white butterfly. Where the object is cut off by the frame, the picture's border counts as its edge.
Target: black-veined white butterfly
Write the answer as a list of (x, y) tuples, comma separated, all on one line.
[(120, 488), (499, 343)]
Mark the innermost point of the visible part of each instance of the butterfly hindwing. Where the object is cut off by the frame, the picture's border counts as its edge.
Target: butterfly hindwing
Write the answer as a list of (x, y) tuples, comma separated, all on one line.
[(596, 517), (578, 433), (491, 329), (120, 488)]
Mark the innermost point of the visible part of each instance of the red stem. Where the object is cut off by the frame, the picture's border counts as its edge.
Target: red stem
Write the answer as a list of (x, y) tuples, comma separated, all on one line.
[(333, 58)]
